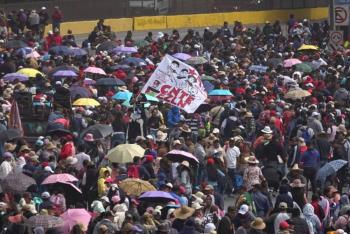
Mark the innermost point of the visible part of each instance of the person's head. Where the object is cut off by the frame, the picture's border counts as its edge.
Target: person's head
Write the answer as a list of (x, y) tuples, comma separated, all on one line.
[(295, 212), (208, 201), (231, 211)]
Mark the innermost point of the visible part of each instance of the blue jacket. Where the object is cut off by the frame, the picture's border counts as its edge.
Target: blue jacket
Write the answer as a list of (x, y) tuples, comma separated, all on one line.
[(173, 117), (310, 158)]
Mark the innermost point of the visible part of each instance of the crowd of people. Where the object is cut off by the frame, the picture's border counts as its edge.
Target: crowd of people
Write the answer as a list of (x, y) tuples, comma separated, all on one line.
[(271, 155)]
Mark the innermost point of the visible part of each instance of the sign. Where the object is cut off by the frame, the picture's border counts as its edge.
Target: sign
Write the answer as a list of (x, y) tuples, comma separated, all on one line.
[(341, 2), (336, 37), (341, 15), (176, 83)]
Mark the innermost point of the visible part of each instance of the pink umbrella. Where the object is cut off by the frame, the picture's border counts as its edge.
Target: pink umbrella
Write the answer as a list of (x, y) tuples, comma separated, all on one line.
[(291, 62), (179, 156), (95, 70), (75, 216), (62, 178), (33, 54)]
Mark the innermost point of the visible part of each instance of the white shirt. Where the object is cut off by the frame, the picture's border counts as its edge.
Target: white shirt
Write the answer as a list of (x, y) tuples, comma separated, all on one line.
[(5, 169), (231, 156), (81, 158)]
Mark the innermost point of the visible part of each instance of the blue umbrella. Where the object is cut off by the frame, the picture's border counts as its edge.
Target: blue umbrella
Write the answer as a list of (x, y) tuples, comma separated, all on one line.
[(61, 50), (329, 169), (208, 86), (78, 52), (220, 92), (122, 95), (23, 51), (80, 91), (122, 67), (134, 61), (109, 82), (10, 77), (65, 73)]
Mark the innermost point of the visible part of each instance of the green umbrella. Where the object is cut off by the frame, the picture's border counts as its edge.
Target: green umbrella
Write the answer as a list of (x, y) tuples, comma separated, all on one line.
[(151, 98), (142, 43), (303, 67), (208, 78)]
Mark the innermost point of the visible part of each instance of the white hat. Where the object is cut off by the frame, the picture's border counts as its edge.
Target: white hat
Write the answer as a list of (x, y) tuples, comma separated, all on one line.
[(48, 169), (150, 137), (71, 160), (243, 209), (196, 206), (185, 163), (216, 130), (315, 114), (267, 130), (45, 195), (140, 138), (169, 185), (209, 228), (177, 142), (105, 198)]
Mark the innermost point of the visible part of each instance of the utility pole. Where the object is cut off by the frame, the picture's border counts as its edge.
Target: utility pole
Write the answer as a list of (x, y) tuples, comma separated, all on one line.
[(331, 14)]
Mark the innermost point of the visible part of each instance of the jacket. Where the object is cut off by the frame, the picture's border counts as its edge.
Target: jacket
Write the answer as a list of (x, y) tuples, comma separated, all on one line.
[(173, 117)]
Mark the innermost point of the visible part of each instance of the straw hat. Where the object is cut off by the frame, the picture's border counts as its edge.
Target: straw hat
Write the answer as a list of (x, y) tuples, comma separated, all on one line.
[(186, 164), (177, 142), (297, 184), (50, 146), (9, 147), (258, 224), (252, 160), (267, 130), (24, 147), (161, 136), (248, 115), (185, 128), (71, 160), (183, 212), (342, 129), (196, 206), (162, 128), (296, 168)]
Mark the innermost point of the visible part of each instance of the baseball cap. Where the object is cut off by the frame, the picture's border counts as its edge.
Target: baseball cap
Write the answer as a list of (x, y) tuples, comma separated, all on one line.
[(243, 209), (283, 205)]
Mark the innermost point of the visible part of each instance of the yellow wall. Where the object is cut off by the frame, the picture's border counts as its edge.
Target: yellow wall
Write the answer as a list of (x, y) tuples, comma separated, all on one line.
[(196, 20)]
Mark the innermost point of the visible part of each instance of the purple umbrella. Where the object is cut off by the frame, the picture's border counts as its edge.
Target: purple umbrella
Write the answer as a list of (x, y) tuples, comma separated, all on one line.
[(10, 77), (88, 81), (182, 56), (65, 73), (179, 156), (77, 90), (156, 196), (124, 49)]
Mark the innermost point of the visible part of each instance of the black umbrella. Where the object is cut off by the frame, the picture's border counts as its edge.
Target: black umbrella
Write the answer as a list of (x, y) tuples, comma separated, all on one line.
[(57, 129), (10, 134), (273, 62), (15, 44), (98, 131), (203, 108), (62, 68), (106, 46), (109, 82)]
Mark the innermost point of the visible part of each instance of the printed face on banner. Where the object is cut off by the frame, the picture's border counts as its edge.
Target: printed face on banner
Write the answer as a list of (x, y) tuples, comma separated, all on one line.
[(176, 83)]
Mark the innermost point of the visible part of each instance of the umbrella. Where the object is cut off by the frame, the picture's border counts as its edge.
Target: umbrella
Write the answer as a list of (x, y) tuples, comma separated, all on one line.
[(86, 102), (208, 86), (95, 70), (220, 92), (308, 47), (10, 134), (106, 46), (88, 81), (109, 82), (30, 72), (61, 50), (208, 78), (122, 95), (15, 44), (59, 178), (124, 49), (120, 66), (296, 94), (65, 73), (78, 52), (10, 77), (274, 62), (157, 196), (258, 68), (203, 108), (125, 153), (182, 56), (34, 54), (75, 216), (329, 169), (141, 43), (57, 129), (17, 183), (45, 221), (179, 156), (196, 61), (77, 90), (151, 98), (62, 68), (303, 67), (135, 187), (98, 131), (134, 61), (291, 62)]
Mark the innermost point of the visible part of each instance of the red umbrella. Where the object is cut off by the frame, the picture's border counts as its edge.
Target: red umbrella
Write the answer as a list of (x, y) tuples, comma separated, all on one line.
[(59, 178)]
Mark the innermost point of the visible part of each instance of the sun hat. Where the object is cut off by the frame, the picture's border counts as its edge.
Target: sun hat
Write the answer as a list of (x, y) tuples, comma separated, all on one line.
[(89, 137), (297, 184), (196, 206), (243, 209), (342, 129), (267, 130), (258, 224), (216, 131), (296, 168), (161, 136), (9, 147), (185, 163), (50, 146), (183, 212), (169, 185), (24, 147), (177, 142), (209, 228), (185, 128), (71, 160), (252, 160), (48, 169), (45, 195), (283, 205)]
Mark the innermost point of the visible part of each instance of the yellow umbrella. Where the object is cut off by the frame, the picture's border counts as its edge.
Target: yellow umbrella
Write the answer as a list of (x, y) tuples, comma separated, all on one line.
[(125, 153), (135, 187), (30, 72), (308, 47), (86, 102)]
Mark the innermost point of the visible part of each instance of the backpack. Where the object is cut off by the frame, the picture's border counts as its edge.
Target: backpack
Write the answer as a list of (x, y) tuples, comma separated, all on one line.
[(305, 134)]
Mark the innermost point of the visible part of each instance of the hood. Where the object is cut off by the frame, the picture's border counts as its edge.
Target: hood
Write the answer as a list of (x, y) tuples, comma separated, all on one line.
[(102, 172), (308, 210), (344, 200), (342, 90)]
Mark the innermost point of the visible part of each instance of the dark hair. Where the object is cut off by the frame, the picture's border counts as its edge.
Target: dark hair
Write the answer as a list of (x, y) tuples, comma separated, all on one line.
[(176, 62)]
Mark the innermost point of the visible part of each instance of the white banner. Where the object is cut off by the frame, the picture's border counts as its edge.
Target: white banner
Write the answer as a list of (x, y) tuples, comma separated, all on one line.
[(176, 83)]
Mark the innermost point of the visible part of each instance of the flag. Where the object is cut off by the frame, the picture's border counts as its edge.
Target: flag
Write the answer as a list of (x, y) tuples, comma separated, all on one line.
[(176, 83)]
